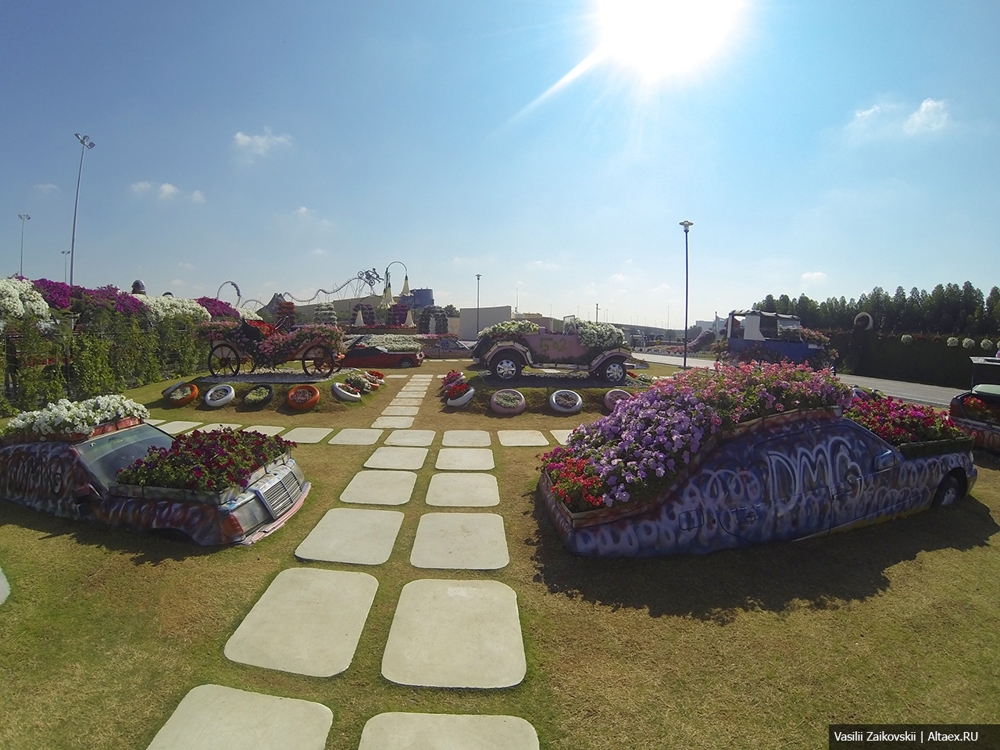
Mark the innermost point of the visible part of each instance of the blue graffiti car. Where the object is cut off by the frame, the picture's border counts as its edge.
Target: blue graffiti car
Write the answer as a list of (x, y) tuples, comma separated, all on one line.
[(783, 478)]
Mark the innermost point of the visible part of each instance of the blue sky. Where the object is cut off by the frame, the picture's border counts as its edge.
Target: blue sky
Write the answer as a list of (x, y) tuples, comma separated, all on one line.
[(820, 147)]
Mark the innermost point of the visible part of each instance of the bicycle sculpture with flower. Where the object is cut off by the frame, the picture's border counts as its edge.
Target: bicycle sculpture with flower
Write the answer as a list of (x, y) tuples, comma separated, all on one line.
[(251, 344)]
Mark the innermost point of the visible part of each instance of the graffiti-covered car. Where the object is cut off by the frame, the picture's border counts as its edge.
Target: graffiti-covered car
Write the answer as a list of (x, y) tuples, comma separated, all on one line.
[(977, 412), (76, 476), (784, 478)]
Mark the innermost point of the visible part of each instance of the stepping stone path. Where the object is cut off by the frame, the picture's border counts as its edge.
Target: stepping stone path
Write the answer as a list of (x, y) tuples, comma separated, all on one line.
[(215, 426), (445, 633), (4, 588)]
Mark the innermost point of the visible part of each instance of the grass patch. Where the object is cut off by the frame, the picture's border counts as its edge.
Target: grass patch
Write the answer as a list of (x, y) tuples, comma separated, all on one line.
[(106, 630)]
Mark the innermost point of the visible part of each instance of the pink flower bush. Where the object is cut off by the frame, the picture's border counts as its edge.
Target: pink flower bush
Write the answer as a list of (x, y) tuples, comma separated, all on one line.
[(898, 422), (210, 461), (217, 308)]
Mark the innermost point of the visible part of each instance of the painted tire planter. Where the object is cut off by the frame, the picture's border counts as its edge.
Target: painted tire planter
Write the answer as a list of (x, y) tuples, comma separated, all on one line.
[(566, 396), (345, 395), (219, 395), (303, 397), (499, 408), (463, 399), (171, 388), (264, 400), (183, 400), (613, 396)]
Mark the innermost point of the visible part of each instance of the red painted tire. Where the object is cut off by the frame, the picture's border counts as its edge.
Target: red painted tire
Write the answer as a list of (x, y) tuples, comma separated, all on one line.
[(297, 392), (192, 395)]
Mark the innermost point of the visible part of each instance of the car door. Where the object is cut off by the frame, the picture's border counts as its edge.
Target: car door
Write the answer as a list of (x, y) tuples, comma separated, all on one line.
[(864, 482)]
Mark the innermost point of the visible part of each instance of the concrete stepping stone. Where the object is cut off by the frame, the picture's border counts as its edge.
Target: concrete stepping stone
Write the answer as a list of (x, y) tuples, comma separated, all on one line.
[(213, 717), (561, 436), (397, 458), (380, 488), (403, 731), (4, 588), (422, 376), (176, 428), (406, 402), (460, 541), (412, 392), (514, 438), (307, 434), (396, 376), (308, 622), (466, 439), (393, 423), (465, 490), (352, 535), (458, 634), (216, 426), (263, 429), (465, 459), (400, 411), (354, 436), (410, 438), (154, 422)]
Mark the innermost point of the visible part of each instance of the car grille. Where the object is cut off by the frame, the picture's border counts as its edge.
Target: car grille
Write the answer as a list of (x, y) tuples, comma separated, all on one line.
[(278, 490)]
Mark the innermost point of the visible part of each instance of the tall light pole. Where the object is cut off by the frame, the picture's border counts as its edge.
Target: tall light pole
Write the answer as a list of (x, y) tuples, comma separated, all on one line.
[(65, 253), (478, 276), (23, 218), (85, 143), (687, 225)]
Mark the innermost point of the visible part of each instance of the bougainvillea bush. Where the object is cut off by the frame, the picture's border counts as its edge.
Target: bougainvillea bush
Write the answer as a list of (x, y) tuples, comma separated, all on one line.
[(211, 461), (639, 449), (898, 422)]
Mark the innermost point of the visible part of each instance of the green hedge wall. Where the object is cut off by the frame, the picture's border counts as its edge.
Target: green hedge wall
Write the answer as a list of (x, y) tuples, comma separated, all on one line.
[(928, 359)]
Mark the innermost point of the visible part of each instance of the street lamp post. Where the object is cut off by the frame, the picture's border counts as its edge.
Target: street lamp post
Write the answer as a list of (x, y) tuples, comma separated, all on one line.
[(687, 225), (478, 276), (23, 218), (65, 254), (85, 143)]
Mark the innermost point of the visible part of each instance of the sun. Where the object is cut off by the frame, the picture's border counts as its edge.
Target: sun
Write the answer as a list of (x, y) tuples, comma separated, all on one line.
[(663, 39)]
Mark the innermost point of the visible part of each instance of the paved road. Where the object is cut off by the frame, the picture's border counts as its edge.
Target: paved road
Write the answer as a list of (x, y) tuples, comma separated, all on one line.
[(923, 394)]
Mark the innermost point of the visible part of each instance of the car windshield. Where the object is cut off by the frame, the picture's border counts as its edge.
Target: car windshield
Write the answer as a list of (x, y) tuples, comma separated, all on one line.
[(106, 454)]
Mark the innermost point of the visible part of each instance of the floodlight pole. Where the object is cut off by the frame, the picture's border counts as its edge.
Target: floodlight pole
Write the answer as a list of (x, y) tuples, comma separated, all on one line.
[(687, 225), (85, 143), (23, 218), (478, 276)]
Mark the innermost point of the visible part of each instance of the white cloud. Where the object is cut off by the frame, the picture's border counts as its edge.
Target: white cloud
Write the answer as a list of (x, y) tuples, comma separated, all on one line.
[(198, 197), (141, 187), (303, 212), (47, 187), (260, 144), (542, 265), (619, 278), (813, 277), (167, 191), (177, 282), (932, 115), (318, 251), (186, 266)]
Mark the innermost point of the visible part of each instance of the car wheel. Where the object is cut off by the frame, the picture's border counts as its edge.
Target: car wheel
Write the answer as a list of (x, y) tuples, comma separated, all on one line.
[(318, 361), (614, 371), (948, 492), (506, 367), (224, 361)]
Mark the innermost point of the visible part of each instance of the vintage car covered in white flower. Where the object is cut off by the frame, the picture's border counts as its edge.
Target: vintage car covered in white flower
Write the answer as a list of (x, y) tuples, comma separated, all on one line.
[(598, 348), (66, 459)]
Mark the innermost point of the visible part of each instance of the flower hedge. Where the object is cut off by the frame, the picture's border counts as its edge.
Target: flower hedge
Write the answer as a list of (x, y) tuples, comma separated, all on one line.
[(75, 417), (212, 461), (639, 449), (898, 422)]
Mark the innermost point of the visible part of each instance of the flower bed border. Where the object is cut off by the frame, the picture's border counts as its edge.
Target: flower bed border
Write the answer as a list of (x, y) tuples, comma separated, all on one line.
[(563, 410), (508, 410), (936, 447), (305, 405)]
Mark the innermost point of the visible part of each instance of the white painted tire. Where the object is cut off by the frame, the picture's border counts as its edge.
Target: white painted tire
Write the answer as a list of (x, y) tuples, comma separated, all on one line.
[(613, 396), (213, 399), (343, 395), (463, 399), (566, 410)]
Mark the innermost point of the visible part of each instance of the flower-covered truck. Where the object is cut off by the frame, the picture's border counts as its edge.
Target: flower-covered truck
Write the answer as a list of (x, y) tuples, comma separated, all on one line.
[(737, 456), (977, 411), (599, 348), (760, 335), (97, 460)]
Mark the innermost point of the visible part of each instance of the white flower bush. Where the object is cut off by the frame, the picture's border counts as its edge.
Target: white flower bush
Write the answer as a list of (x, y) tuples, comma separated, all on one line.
[(392, 342), (19, 298), (76, 417), (169, 307), (987, 345), (599, 335), (953, 341), (906, 339), (509, 329), (968, 343)]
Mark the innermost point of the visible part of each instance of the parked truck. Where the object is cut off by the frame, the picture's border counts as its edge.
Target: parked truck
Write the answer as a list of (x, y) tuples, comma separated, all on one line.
[(756, 334)]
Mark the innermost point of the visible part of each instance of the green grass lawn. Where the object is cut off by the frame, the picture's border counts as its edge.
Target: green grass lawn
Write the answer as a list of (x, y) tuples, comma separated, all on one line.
[(106, 630)]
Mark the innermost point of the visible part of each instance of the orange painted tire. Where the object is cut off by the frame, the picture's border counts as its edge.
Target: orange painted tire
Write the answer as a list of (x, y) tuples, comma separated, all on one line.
[(306, 403), (186, 399)]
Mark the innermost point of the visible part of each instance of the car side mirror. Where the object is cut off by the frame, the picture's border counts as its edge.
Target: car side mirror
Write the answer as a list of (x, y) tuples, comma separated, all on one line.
[(83, 494), (884, 461)]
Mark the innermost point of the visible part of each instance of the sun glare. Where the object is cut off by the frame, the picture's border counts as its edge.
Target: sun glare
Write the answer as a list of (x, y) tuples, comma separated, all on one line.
[(661, 39)]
